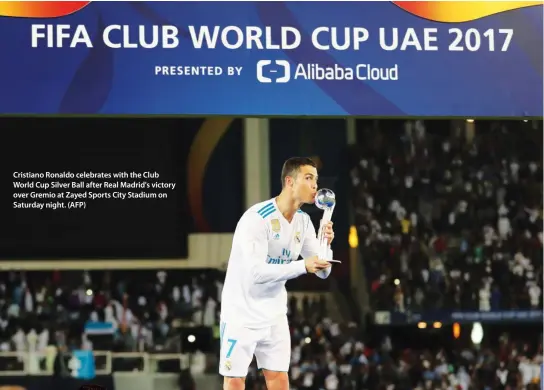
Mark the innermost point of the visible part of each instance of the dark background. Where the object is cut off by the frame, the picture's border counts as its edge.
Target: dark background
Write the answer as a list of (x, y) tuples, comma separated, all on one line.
[(142, 228), (203, 156)]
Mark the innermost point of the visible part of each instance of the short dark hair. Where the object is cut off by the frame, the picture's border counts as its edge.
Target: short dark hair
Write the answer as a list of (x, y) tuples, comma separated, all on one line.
[(292, 165)]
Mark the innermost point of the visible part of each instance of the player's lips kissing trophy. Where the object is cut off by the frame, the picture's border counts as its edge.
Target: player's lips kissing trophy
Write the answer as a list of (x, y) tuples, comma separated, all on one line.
[(325, 199)]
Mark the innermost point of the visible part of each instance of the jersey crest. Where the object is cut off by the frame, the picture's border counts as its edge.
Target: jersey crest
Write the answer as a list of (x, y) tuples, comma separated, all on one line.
[(275, 225)]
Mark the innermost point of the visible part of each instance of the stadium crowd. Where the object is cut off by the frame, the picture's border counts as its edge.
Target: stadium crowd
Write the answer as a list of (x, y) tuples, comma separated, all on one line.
[(46, 312), (451, 219), (331, 356)]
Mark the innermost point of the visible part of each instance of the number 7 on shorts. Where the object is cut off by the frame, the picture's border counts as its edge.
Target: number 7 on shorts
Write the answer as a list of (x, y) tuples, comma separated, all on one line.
[(231, 343)]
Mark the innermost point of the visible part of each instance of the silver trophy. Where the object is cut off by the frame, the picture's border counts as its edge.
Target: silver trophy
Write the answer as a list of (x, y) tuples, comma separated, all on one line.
[(326, 201)]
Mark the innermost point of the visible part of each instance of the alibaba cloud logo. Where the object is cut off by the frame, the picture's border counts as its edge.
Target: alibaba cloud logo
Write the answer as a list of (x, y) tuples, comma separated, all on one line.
[(460, 11), (40, 9)]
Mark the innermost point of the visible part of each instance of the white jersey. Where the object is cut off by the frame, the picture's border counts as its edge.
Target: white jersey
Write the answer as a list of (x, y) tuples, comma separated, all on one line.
[(264, 255)]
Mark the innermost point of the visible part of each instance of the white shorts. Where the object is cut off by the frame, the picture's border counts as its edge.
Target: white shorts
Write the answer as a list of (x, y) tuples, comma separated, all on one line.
[(271, 346)]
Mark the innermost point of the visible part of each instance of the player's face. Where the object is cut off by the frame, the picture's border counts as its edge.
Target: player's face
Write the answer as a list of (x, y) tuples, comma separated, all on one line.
[(305, 186)]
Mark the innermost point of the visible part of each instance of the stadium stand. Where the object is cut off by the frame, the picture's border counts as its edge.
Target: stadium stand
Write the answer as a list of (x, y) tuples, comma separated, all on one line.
[(450, 222), (120, 311)]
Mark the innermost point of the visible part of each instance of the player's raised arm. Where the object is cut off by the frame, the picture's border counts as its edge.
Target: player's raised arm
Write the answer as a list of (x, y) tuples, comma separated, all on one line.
[(310, 247), (255, 252), (255, 249)]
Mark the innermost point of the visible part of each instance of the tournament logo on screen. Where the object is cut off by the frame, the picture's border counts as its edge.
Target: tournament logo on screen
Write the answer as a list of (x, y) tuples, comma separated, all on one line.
[(332, 58)]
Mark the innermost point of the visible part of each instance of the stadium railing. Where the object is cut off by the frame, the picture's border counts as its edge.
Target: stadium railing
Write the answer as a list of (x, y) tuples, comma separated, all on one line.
[(33, 362)]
